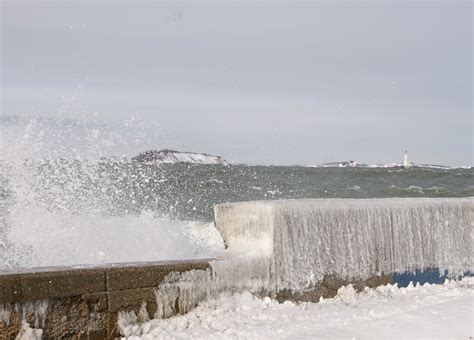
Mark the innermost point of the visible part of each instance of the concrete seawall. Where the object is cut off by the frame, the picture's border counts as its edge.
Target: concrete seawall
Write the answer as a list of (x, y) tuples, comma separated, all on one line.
[(299, 250)]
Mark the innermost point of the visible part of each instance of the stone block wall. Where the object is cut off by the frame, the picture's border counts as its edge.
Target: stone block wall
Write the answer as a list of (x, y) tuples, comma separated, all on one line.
[(81, 303)]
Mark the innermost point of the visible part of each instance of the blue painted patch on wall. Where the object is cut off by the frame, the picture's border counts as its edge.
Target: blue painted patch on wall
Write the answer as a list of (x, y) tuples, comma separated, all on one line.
[(424, 276)]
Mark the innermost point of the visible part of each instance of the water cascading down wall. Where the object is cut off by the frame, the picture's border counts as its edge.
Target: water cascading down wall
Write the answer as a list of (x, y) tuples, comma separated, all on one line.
[(295, 249)]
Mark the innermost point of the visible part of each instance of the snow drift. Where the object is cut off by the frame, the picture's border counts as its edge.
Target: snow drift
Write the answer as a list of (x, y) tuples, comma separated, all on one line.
[(386, 312)]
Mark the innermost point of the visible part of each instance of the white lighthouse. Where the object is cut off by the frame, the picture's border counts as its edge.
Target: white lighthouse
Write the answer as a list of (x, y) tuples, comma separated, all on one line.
[(405, 160)]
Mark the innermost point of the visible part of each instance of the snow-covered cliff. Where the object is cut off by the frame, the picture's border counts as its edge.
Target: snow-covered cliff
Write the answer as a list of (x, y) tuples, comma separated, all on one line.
[(172, 156)]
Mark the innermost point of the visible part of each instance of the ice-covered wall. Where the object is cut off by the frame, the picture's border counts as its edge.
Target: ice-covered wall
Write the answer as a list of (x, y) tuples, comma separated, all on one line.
[(179, 293), (352, 238), (238, 270)]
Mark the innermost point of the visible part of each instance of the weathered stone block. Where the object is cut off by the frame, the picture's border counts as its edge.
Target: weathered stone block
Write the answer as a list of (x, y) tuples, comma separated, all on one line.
[(68, 317), (147, 274), (56, 284), (10, 288), (75, 317), (130, 299)]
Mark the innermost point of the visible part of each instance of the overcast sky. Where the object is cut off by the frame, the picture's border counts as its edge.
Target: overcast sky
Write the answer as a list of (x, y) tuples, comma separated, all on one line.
[(280, 82)]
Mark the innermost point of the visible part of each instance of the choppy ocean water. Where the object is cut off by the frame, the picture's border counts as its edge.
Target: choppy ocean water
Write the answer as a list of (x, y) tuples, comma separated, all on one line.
[(189, 191)]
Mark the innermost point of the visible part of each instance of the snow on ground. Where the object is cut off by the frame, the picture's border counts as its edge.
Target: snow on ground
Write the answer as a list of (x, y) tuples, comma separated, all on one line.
[(429, 311)]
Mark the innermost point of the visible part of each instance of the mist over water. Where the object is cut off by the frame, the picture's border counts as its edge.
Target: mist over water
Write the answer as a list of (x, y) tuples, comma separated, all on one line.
[(69, 193)]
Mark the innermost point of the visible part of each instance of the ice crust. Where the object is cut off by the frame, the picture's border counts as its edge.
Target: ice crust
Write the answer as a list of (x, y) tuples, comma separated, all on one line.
[(181, 292), (38, 309), (244, 269), (353, 238), (28, 333)]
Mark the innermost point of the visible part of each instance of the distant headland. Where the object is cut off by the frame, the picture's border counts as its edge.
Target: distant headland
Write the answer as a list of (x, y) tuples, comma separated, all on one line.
[(173, 156)]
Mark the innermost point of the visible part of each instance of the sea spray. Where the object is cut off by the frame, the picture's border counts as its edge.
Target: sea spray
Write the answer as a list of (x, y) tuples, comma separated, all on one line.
[(59, 238), (62, 181)]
